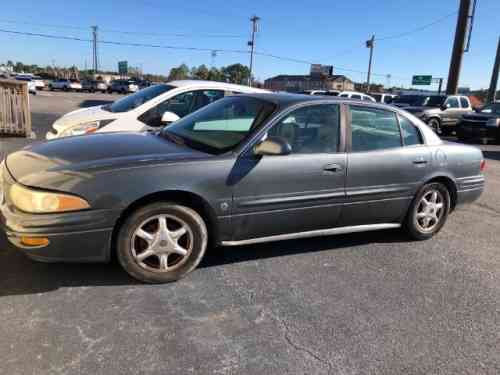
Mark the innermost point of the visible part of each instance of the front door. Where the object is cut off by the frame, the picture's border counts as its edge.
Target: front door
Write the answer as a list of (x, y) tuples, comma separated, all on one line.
[(453, 112), (385, 166), (293, 193)]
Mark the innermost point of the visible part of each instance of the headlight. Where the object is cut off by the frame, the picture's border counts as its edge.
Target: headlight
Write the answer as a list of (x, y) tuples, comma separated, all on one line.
[(40, 202), (85, 128), (493, 122)]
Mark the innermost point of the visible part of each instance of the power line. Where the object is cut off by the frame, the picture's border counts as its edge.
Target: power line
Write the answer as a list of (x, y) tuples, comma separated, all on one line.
[(130, 44), (127, 32), (420, 28)]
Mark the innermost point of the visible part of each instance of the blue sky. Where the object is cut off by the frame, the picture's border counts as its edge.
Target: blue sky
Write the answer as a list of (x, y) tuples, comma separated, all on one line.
[(328, 32)]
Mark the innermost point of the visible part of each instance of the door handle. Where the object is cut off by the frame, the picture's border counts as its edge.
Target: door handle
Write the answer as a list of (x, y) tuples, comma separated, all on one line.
[(333, 167), (420, 161)]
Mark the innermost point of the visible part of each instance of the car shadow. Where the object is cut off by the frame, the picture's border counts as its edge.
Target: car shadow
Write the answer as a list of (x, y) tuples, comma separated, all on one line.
[(94, 102), (22, 276)]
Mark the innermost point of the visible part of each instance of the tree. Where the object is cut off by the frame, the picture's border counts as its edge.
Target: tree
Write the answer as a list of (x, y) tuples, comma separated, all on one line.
[(237, 73), (201, 72), (181, 72), (215, 74)]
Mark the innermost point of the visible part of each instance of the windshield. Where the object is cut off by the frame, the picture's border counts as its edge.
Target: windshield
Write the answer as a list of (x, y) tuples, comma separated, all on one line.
[(491, 109), (221, 126), (139, 98)]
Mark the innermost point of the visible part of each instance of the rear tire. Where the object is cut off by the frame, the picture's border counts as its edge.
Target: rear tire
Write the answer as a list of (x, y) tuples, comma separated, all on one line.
[(161, 242), (428, 211)]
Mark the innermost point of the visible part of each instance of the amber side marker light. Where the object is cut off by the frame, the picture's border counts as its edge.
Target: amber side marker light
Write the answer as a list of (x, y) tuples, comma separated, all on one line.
[(34, 241)]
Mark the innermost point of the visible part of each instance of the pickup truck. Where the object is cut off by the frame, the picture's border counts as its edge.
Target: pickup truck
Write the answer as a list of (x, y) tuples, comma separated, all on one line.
[(440, 112)]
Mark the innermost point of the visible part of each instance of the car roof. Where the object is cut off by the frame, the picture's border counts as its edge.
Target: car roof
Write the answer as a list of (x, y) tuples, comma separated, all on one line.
[(283, 100), (214, 84)]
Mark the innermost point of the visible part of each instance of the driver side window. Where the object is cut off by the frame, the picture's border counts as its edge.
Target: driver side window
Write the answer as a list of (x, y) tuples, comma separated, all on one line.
[(310, 130), (452, 103), (181, 104)]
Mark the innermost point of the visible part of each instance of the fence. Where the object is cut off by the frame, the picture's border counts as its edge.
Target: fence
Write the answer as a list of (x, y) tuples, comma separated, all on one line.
[(15, 116)]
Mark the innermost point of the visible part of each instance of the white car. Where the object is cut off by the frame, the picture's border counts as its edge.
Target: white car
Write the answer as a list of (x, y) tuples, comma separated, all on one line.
[(65, 84), (29, 80), (356, 95), (147, 109), (384, 98), (39, 83)]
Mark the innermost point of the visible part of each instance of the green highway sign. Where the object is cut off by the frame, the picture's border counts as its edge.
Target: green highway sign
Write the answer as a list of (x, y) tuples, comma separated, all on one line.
[(123, 68), (421, 80)]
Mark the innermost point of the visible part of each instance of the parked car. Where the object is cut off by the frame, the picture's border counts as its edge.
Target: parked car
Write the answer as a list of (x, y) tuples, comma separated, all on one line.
[(123, 86), (29, 80), (91, 85), (356, 95), (440, 112), (321, 92), (484, 123), (147, 109), (39, 82), (383, 98), (65, 85), (245, 169)]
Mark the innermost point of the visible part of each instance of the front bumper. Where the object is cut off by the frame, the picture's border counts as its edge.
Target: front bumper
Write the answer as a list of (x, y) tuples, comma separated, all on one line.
[(83, 236)]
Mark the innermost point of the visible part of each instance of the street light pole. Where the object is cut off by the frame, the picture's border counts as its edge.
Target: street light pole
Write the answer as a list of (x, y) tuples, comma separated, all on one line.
[(369, 44)]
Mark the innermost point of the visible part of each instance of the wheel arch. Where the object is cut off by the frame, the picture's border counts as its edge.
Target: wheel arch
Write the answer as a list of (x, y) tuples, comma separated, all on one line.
[(186, 198), (450, 185)]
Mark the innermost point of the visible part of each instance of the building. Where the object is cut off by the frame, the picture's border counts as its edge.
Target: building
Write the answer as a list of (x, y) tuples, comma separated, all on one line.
[(297, 83)]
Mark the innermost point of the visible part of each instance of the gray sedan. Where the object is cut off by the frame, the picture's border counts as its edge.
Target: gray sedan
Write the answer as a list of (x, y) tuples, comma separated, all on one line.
[(245, 169)]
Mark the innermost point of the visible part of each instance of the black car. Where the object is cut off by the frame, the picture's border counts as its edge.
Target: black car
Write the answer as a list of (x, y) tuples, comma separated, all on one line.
[(484, 123), (440, 112), (245, 169)]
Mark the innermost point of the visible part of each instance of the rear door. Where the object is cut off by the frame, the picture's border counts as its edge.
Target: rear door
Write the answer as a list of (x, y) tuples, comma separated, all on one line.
[(299, 192), (385, 166)]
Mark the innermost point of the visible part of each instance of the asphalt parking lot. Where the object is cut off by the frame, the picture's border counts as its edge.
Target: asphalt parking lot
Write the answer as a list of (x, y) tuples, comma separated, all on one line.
[(369, 303)]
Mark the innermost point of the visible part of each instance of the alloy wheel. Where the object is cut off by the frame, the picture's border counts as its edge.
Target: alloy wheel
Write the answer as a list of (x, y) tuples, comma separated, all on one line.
[(430, 210), (162, 243)]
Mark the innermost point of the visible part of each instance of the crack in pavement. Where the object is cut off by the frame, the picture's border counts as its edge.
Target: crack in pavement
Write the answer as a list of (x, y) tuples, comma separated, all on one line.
[(302, 348)]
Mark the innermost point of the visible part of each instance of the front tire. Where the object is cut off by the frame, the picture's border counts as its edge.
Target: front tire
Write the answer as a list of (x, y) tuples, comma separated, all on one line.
[(428, 211), (161, 242), (435, 124)]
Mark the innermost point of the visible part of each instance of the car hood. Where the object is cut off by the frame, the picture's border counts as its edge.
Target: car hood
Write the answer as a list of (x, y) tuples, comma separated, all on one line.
[(83, 115), (42, 164)]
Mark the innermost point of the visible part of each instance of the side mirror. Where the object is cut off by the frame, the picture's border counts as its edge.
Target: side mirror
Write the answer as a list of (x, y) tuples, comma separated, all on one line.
[(169, 117), (273, 146), (445, 106)]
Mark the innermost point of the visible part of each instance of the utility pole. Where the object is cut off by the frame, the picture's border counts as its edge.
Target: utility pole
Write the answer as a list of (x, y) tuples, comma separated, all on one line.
[(369, 44), (251, 43), (494, 76), (458, 47), (440, 86), (95, 66)]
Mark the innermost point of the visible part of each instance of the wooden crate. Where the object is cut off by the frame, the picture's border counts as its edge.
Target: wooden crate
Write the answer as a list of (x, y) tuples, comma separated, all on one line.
[(15, 115)]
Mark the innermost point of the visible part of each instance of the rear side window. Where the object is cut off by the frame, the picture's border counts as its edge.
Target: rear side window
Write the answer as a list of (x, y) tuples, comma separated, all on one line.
[(388, 99), (464, 102), (373, 129), (410, 133), (355, 96)]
